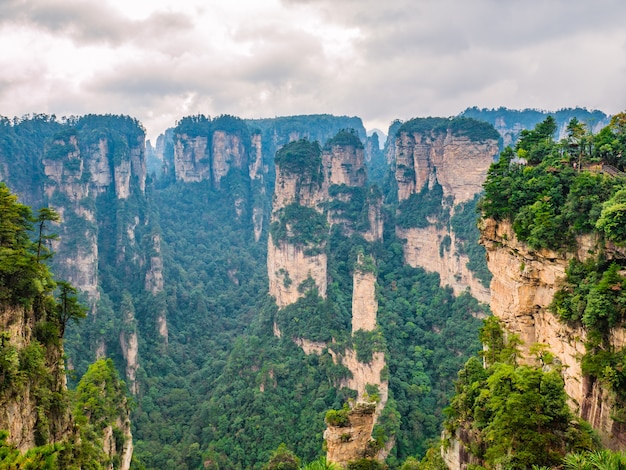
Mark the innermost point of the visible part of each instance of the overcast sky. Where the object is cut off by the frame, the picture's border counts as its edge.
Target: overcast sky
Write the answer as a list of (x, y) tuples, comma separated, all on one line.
[(159, 60)]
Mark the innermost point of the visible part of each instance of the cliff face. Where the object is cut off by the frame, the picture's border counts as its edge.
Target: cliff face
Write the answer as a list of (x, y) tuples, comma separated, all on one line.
[(209, 157), (24, 413), (351, 441), (330, 185), (459, 166), (191, 158), (523, 286), (76, 177), (330, 188)]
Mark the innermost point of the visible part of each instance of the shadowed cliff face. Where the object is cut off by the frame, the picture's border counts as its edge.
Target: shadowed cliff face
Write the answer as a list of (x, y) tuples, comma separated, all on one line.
[(457, 166), (522, 288)]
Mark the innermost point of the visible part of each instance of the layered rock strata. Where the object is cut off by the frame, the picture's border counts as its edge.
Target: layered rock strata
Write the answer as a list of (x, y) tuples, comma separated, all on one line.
[(522, 288), (459, 165)]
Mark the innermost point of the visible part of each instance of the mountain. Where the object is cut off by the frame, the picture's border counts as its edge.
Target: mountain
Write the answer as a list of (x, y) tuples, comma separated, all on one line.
[(555, 247), (45, 425), (276, 281), (510, 122)]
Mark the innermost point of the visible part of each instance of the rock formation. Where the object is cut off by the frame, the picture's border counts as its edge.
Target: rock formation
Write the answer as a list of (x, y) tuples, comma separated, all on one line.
[(522, 288), (430, 156), (23, 413)]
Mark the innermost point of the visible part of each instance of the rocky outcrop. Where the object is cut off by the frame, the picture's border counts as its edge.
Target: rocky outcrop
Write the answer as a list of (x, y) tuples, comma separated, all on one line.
[(352, 440), (24, 413), (191, 158), (337, 175), (459, 165), (345, 444), (228, 152), (154, 274), (78, 170), (345, 164), (522, 288), (424, 248), (110, 443), (364, 303), (288, 266)]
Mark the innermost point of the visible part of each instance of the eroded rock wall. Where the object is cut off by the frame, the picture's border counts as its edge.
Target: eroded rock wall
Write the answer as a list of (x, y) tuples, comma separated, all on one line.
[(424, 248), (288, 266), (459, 165), (524, 283), (22, 408), (74, 180)]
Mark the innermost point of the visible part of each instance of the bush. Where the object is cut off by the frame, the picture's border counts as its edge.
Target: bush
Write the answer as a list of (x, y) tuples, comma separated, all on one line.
[(339, 418)]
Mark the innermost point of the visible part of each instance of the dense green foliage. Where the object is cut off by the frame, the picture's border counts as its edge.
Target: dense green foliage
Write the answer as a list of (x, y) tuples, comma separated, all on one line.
[(31, 368), (345, 137), (421, 209), (299, 225), (553, 198), (517, 415), (351, 204), (301, 158), (558, 196), (218, 388), (473, 129), (463, 224), (593, 294)]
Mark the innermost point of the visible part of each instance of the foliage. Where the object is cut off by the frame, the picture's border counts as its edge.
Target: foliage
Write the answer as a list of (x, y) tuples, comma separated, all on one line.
[(593, 295), (421, 324), (419, 209), (366, 343), (518, 414), (551, 200), (339, 418), (68, 307), (22, 278), (518, 120), (365, 464), (612, 220), (595, 460), (283, 459), (345, 137), (302, 158), (218, 388), (299, 225), (320, 464), (101, 395), (463, 224), (351, 204), (474, 129)]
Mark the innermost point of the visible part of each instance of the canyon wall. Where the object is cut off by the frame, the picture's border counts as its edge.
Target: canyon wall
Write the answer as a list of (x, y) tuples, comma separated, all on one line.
[(427, 159), (522, 288)]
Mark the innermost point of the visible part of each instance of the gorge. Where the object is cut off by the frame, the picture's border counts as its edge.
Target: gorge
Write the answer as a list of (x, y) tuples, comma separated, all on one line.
[(248, 276)]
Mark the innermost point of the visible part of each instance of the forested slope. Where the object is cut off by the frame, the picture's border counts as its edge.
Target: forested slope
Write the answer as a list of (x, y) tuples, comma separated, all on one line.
[(180, 282)]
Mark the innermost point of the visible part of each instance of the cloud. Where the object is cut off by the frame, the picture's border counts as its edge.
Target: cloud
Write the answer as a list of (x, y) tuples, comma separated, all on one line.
[(90, 22), (159, 60)]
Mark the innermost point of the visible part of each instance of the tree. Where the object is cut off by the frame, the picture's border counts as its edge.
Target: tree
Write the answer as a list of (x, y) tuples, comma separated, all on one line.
[(577, 140), (282, 459), (68, 308), (45, 215), (612, 219)]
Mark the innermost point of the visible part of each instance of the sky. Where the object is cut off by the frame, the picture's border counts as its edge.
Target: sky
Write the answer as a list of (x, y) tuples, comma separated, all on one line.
[(160, 60)]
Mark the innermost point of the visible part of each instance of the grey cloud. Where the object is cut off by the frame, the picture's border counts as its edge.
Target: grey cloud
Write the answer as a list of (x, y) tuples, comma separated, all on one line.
[(90, 22)]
